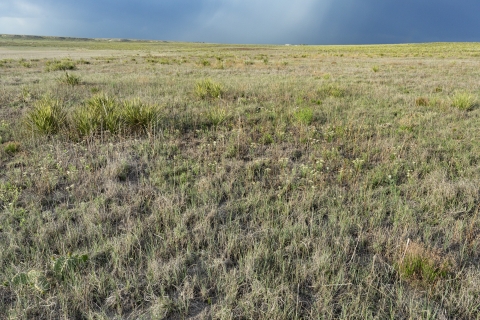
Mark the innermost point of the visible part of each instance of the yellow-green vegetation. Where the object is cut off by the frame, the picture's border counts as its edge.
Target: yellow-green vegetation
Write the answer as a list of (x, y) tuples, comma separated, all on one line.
[(205, 181)]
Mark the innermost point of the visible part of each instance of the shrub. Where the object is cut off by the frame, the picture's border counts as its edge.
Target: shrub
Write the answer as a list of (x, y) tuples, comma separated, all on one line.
[(463, 101), (208, 89), (47, 117)]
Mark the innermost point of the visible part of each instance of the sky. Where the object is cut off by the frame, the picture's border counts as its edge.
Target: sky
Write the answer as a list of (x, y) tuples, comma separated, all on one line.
[(248, 21)]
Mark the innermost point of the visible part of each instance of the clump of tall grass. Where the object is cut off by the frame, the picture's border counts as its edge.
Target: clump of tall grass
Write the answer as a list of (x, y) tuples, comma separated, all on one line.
[(56, 65), (103, 113), (100, 113), (69, 79), (208, 89), (47, 117), (423, 267), (464, 100), (11, 147), (422, 102), (138, 116), (332, 90)]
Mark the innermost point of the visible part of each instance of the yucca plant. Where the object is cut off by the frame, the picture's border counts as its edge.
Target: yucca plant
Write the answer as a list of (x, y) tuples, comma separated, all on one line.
[(138, 116), (47, 117), (208, 89), (100, 113)]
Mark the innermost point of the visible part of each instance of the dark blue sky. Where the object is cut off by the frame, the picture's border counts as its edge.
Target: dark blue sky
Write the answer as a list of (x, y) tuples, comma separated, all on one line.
[(248, 21)]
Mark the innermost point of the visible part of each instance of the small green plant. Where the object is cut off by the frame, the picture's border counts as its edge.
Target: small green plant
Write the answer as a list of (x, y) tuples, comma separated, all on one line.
[(464, 101), (25, 63), (422, 266), (304, 115), (12, 147), (65, 266), (208, 89), (69, 79), (205, 62), (217, 116), (375, 68), (33, 278), (26, 94), (47, 116)]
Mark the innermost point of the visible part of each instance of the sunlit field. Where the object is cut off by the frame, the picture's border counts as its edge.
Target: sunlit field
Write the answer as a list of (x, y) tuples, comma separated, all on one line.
[(162, 180)]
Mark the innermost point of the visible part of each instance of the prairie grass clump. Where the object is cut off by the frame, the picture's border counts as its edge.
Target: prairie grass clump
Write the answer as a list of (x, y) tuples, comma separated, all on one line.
[(5, 131), (332, 90), (304, 115), (103, 113), (208, 89), (100, 113), (11, 147), (422, 102), (463, 100), (216, 116), (422, 266), (69, 79), (62, 65), (138, 116), (47, 117)]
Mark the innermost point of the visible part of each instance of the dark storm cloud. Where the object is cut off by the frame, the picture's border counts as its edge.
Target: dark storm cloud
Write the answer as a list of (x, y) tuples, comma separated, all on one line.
[(248, 21), (375, 21)]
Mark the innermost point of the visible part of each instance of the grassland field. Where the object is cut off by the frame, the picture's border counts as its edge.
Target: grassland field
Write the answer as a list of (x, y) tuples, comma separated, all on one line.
[(163, 180)]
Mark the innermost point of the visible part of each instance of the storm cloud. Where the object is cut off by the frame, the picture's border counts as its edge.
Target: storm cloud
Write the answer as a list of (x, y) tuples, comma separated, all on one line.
[(248, 21)]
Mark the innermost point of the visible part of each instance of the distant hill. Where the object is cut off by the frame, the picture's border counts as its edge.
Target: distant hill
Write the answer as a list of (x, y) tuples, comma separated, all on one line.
[(32, 37)]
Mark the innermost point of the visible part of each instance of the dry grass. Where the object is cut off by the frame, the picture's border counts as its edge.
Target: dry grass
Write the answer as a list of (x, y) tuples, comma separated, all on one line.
[(308, 187)]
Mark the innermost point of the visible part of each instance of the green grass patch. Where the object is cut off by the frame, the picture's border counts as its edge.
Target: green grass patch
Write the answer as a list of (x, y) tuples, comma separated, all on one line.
[(208, 89)]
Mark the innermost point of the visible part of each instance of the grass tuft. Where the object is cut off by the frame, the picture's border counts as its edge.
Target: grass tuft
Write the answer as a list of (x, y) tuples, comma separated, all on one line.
[(208, 89), (69, 79), (138, 116), (11, 147), (47, 116), (464, 101)]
